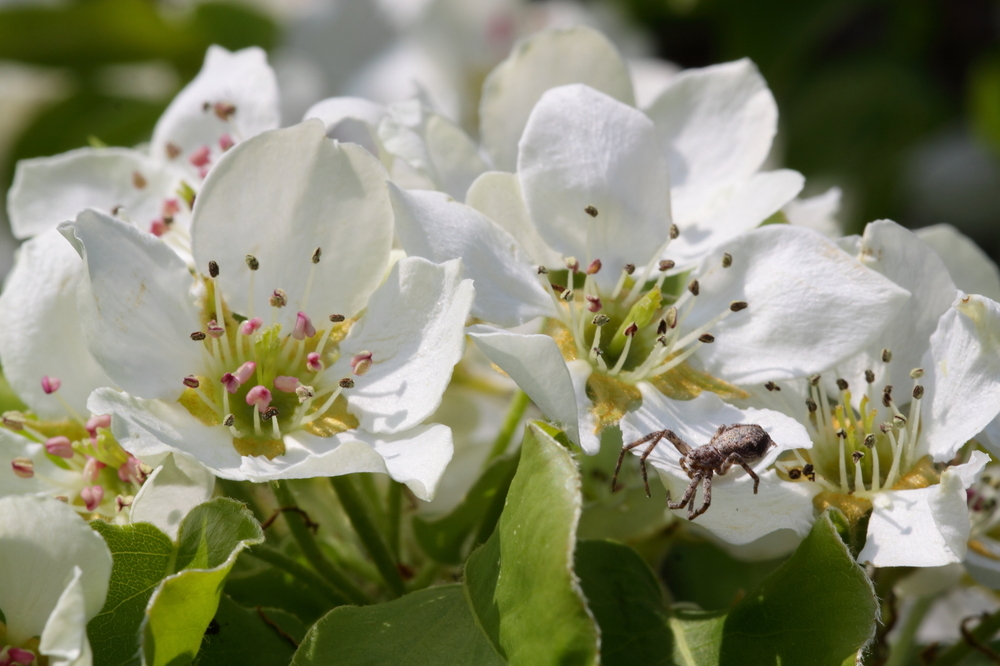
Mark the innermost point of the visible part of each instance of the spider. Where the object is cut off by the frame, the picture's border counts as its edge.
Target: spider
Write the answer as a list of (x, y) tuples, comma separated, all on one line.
[(739, 444)]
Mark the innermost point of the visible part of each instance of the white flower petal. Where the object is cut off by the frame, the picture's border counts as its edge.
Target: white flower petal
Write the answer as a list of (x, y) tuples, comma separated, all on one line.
[(135, 311), (50, 190), (350, 119), (49, 479), (545, 60), (650, 77), (174, 488), (742, 208), (288, 192), (537, 365), (926, 527), (736, 514), (818, 213), (416, 457), (39, 327), (984, 569), (151, 428), (498, 195), (972, 269), (716, 125), (242, 79), (42, 541), (435, 226), (414, 329), (582, 148), (811, 305), (64, 638), (962, 376), (589, 428)]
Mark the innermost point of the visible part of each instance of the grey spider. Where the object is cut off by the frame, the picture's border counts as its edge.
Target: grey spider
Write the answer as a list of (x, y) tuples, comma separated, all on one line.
[(739, 444)]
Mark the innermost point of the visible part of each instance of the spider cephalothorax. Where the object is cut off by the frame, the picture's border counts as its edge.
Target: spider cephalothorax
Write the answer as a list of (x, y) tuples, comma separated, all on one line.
[(739, 444)]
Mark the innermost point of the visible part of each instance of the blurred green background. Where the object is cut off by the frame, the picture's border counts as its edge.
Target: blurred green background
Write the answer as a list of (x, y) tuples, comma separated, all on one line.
[(895, 101)]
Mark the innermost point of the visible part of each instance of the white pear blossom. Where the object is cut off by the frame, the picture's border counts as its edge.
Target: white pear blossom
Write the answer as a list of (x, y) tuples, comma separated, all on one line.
[(54, 572), (234, 97), (286, 358), (589, 197)]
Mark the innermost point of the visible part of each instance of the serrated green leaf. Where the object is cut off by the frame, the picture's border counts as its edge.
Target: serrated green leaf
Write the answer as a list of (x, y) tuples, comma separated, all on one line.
[(446, 539), (211, 537), (142, 558), (240, 636), (433, 626), (521, 583), (625, 598)]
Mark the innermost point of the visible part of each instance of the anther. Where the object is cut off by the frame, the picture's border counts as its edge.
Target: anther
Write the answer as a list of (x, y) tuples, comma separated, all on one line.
[(313, 362), (916, 373), (594, 267), (794, 474), (173, 150), (198, 336), (809, 471), (869, 376), (223, 110), (91, 469), (706, 338), (304, 392), (841, 433), (887, 395), (192, 382), (278, 299), (59, 446), (252, 262), (666, 265), (661, 328), (317, 253), (842, 384), (870, 440), (286, 384), (594, 303), (736, 306), (899, 420), (92, 497), (600, 320), (229, 421), (918, 392), (567, 295), (336, 318), (50, 384), (591, 211), (857, 456), (814, 380), (213, 269), (671, 317), (303, 327), (629, 268), (269, 413), (674, 231), (885, 427), (886, 355), (98, 421), (259, 397), (347, 383), (250, 326), (361, 363), (727, 260), (226, 142), (598, 351), (138, 180), (771, 386), (542, 270), (573, 264), (632, 329), (811, 405), (13, 420), (23, 467), (123, 501), (694, 287), (215, 330)]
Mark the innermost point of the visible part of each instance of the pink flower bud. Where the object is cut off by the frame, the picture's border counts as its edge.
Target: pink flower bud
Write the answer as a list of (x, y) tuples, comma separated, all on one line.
[(59, 446), (92, 497), (260, 397), (23, 467), (361, 363), (200, 157), (303, 327), (286, 384), (313, 362), (50, 384), (250, 326)]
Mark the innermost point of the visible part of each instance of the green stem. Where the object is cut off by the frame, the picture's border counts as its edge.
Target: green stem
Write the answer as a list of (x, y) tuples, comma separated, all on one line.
[(277, 559), (394, 517), (518, 404), (903, 647), (364, 525), (310, 548), (373, 497), (982, 634)]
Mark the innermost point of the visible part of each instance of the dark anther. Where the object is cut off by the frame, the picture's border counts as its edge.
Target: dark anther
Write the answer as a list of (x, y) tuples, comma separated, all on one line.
[(887, 395), (674, 231), (857, 456), (671, 317), (706, 338), (841, 433), (869, 376), (809, 471), (542, 270), (869, 440), (661, 328), (814, 380), (205, 106), (191, 381), (736, 306), (842, 384), (916, 373), (727, 260), (694, 287), (794, 474), (886, 355), (336, 319), (771, 386), (632, 329), (198, 336), (346, 383), (666, 265), (252, 262), (269, 413), (591, 211), (598, 351), (811, 405), (213, 269), (229, 421), (317, 253), (918, 392), (558, 288), (600, 320), (630, 268)]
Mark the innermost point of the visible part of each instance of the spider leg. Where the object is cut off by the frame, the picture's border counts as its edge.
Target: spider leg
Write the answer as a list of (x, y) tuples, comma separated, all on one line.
[(688, 494), (642, 463), (737, 459), (682, 447), (655, 437), (707, 502)]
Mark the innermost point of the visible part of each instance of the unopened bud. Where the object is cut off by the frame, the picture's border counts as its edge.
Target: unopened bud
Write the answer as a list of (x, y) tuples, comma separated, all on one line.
[(278, 299), (591, 211)]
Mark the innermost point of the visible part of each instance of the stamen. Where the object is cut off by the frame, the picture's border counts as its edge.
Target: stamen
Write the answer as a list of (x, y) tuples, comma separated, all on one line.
[(50, 384), (674, 231), (594, 267), (594, 303), (344, 383), (859, 480), (304, 392), (23, 467), (286, 384), (123, 501), (92, 497), (771, 386), (886, 356), (259, 397), (572, 264), (337, 318), (91, 469), (694, 287), (707, 338), (253, 265), (314, 259), (626, 271), (59, 446), (303, 327), (591, 211), (727, 260), (198, 336), (313, 362), (361, 362), (870, 442)]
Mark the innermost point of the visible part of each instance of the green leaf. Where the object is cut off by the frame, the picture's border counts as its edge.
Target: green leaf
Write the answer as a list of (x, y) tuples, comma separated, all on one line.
[(447, 538), (211, 537), (142, 558), (702, 573), (625, 598), (697, 636), (520, 582), (240, 636), (433, 626), (817, 608)]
